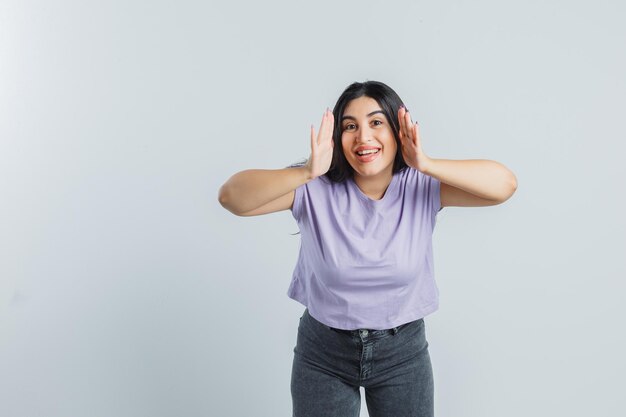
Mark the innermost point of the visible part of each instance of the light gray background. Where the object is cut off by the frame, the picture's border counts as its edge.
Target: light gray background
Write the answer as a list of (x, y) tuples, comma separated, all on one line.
[(127, 290)]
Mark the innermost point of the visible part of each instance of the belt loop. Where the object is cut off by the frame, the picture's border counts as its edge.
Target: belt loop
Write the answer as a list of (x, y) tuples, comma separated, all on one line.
[(395, 330)]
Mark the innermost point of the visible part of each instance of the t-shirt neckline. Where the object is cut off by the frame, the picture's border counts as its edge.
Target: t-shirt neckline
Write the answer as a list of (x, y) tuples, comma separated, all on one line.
[(362, 196)]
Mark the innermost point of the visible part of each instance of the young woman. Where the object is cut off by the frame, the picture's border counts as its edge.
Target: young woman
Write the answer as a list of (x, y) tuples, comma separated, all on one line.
[(366, 203)]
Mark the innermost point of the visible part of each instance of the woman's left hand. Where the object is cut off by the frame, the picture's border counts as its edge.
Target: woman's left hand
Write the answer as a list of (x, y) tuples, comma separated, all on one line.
[(410, 141)]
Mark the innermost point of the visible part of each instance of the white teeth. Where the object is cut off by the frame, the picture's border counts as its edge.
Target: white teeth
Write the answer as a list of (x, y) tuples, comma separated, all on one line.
[(368, 151)]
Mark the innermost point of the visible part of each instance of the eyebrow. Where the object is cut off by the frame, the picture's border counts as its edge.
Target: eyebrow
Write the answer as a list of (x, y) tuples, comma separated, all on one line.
[(368, 115)]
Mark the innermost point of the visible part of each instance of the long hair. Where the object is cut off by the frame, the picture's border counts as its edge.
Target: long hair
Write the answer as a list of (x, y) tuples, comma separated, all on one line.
[(388, 100)]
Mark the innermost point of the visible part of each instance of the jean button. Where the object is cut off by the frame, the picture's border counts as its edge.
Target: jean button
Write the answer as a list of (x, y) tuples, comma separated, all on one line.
[(364, 332)]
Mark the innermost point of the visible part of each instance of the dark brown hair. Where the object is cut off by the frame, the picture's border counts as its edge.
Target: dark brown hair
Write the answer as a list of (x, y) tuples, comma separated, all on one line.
[(389, 102)]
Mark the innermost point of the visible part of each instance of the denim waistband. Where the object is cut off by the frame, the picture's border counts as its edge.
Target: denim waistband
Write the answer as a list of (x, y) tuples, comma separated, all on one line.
[(361, 332), (393, 330)]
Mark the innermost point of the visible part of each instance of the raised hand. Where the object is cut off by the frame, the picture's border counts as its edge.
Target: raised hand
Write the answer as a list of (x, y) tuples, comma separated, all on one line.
[(410, 141), (321, 146)]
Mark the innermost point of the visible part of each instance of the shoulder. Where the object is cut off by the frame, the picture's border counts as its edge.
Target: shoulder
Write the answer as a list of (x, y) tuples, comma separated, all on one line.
[(322, 183), (318, 189), (410, 176), (319, 195)]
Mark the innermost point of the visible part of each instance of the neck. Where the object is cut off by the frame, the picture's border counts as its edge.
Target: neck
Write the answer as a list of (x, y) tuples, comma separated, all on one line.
[(373, 186)]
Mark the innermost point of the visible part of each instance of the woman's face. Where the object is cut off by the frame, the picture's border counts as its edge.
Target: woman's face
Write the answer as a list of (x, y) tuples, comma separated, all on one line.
[(365, 127)]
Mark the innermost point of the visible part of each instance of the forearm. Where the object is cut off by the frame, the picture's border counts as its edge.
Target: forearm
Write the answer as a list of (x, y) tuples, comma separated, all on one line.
[(252, 188), (481, 177)]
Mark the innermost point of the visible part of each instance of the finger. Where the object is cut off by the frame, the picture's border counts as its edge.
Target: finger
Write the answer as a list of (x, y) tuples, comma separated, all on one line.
[(324, 131), (402, 131), (328, 131), (324, 128), (402, 115), (312, 138), (331, 126), (408, 125), (401, 121), (321, 129)]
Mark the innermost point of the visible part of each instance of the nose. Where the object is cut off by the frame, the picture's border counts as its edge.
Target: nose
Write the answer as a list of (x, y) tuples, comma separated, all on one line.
[(364, 135)]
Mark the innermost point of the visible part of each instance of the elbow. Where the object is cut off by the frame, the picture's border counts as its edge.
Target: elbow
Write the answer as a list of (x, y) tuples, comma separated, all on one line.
[(510, 189), (512, 185), (222, 196), (224, 199)]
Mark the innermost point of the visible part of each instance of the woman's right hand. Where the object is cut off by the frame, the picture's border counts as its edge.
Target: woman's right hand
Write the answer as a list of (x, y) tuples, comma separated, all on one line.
[(321, 147)]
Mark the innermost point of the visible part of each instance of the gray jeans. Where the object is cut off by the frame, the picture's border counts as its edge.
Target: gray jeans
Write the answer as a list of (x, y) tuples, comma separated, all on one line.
[(393, 366)]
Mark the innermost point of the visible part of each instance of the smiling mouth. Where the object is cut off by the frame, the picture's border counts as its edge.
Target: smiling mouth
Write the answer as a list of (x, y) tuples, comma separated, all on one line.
[(367, 157), (368, 152)]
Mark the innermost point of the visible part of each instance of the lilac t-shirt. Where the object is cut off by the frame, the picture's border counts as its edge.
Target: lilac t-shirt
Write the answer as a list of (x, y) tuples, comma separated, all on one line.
[(364, 263)]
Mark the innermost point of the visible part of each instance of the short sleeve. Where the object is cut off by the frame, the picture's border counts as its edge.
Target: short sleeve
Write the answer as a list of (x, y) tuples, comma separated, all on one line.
[(435, 196), (431, 187), (296, 208)]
